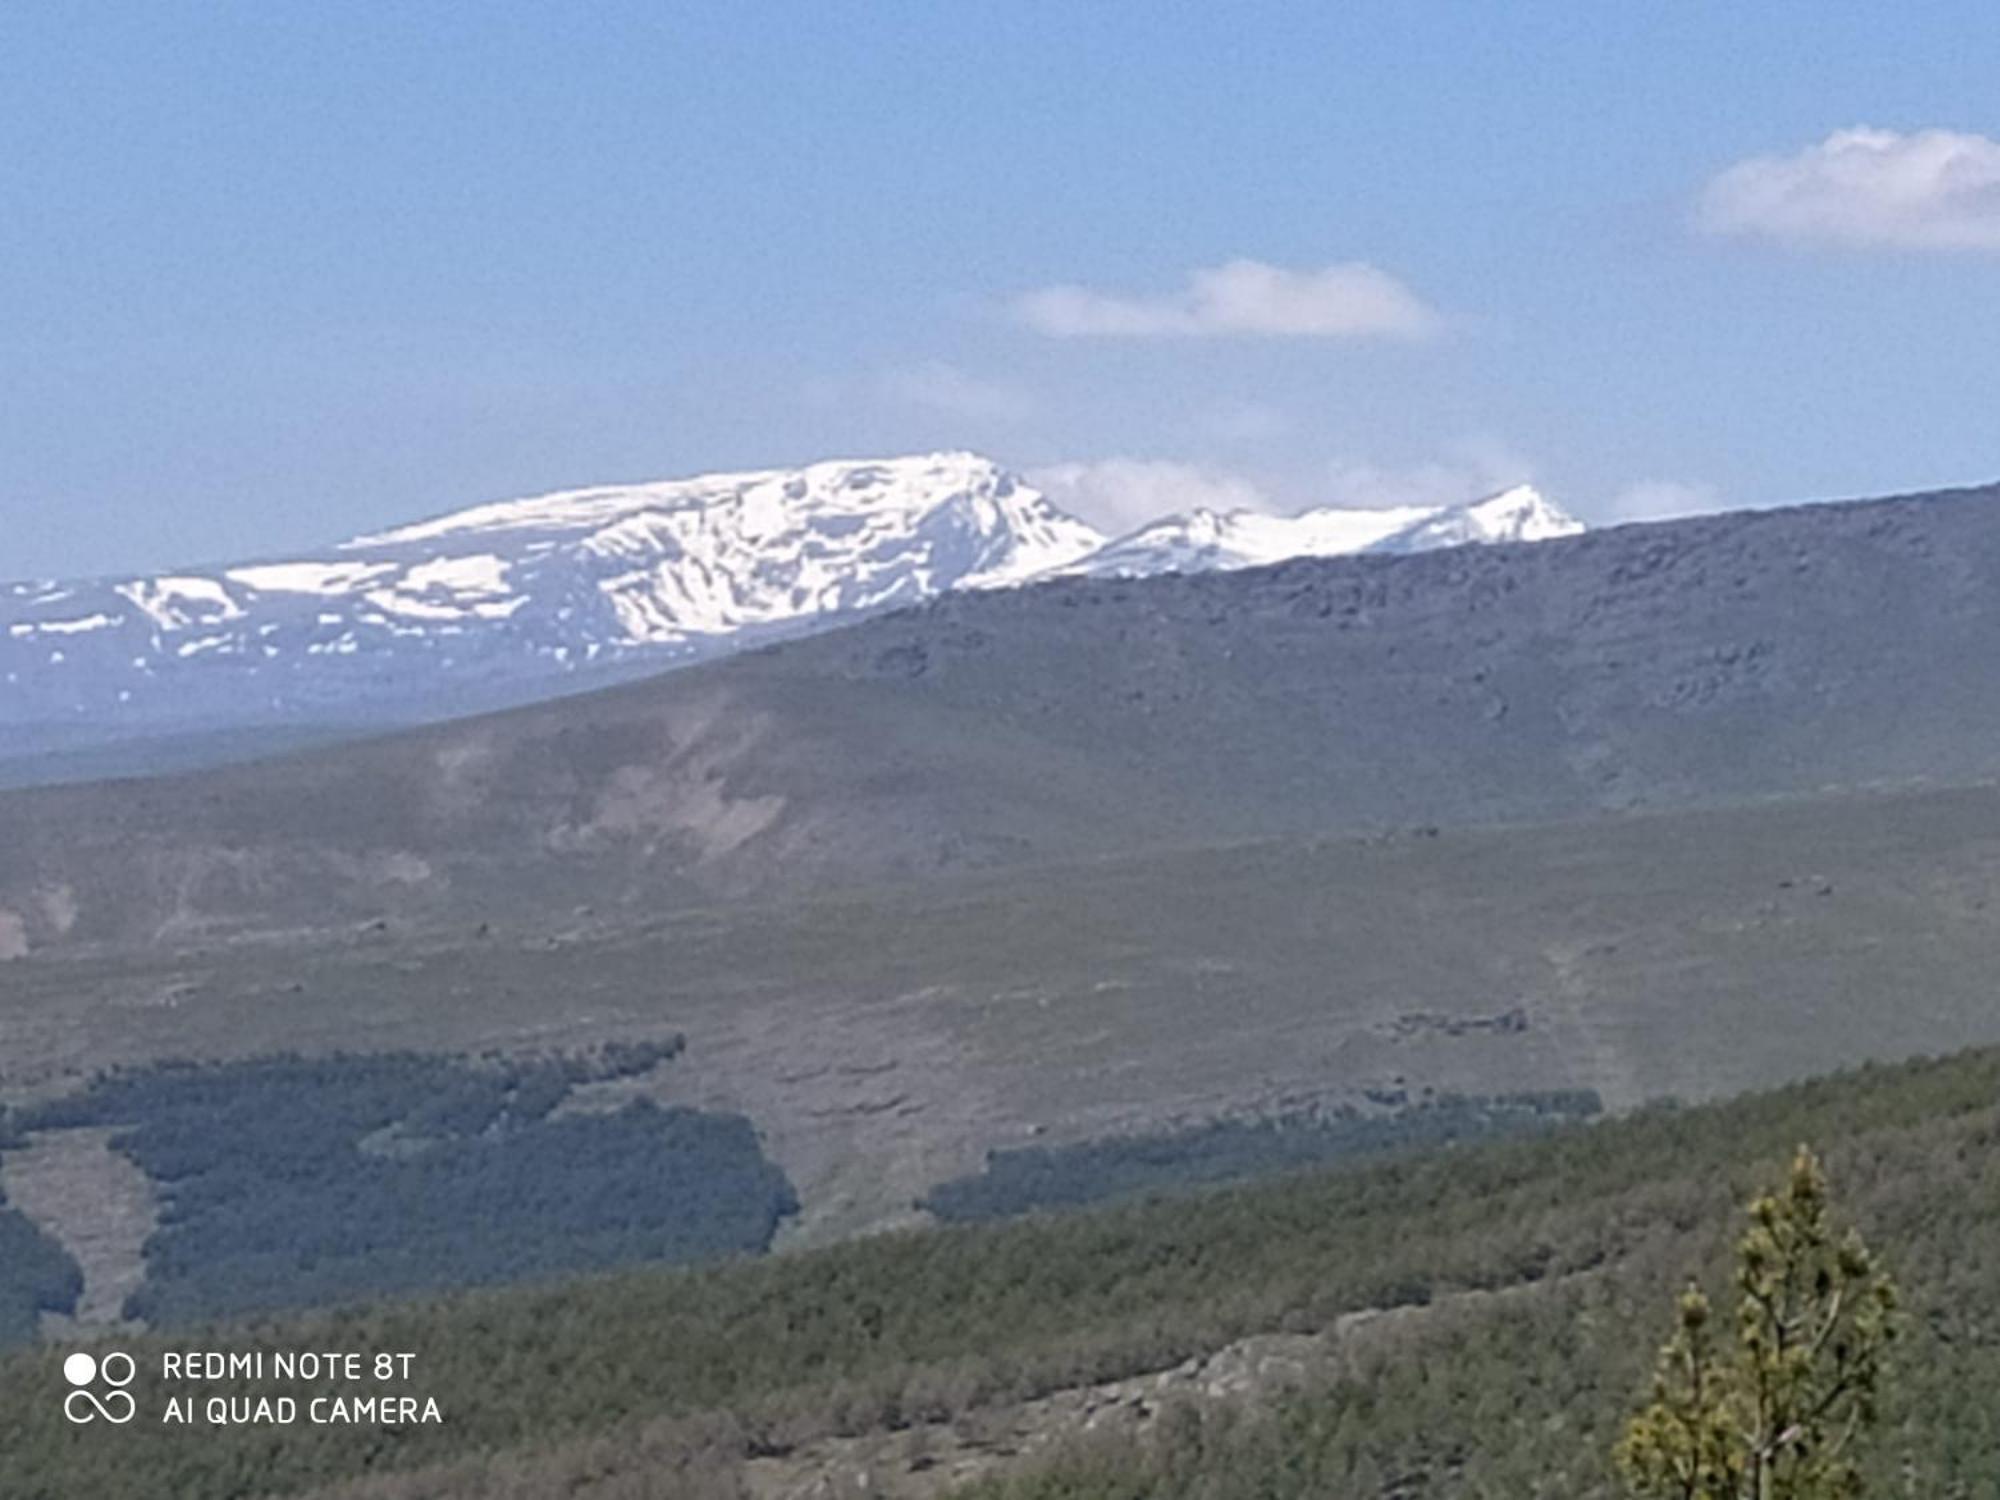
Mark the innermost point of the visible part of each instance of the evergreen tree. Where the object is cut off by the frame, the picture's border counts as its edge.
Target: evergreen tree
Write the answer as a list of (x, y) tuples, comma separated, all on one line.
[(1777, 1416)]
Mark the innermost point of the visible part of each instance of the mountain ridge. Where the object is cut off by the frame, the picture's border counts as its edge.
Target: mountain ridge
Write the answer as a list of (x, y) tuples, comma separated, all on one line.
[(518, 600)]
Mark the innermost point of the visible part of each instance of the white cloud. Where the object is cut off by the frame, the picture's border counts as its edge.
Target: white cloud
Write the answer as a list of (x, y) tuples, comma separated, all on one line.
[(1118, 495), (1244, 297), (1122, 493), (1928, 190), (940, 387), (1472, 471), (1657, 500)]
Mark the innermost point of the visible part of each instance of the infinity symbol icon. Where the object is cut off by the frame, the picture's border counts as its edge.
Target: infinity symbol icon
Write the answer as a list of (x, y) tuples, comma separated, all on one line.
[(107, 1406)]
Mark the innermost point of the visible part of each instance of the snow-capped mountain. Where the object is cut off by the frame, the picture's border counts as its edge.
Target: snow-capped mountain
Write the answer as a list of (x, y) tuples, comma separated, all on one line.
[(1205, 540), (486, 602), (519, 600)]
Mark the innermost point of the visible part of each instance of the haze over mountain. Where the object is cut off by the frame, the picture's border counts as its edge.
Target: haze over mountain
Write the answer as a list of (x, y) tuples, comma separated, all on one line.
[(509, 602)]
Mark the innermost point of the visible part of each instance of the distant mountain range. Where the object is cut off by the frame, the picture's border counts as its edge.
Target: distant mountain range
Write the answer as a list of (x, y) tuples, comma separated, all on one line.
[(515, 601), (1706, 662)]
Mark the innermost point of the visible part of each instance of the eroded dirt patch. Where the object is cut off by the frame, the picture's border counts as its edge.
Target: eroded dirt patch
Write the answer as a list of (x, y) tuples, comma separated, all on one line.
[(97, 1203)]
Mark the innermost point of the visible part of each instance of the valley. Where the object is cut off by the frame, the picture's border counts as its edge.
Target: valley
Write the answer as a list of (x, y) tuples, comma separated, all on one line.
[(884, 1038)]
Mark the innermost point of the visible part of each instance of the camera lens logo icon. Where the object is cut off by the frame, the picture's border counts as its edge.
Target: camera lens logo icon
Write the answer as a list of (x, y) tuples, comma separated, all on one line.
[(84, 1404)]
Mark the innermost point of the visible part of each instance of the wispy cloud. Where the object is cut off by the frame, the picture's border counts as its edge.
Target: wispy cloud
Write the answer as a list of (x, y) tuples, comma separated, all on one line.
[(1245, 298), (1657, 500), (1927, 190), (1470, 471), (1119, 494)]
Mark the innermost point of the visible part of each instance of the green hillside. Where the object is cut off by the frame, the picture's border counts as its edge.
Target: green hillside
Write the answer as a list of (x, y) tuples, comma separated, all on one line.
[(668, 1383)]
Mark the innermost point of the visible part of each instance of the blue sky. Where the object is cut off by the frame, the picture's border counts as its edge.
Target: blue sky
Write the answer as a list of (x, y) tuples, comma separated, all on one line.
[(273, 274)]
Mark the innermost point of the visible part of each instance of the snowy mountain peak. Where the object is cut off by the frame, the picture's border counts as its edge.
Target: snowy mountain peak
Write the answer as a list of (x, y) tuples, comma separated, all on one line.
[(481, 601), (1203, 540), (1520, 514), (1526, 513), (761, 502)]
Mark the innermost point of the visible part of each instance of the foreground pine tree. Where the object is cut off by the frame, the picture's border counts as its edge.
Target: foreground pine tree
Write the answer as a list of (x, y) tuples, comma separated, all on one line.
[(1777, 1414)]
